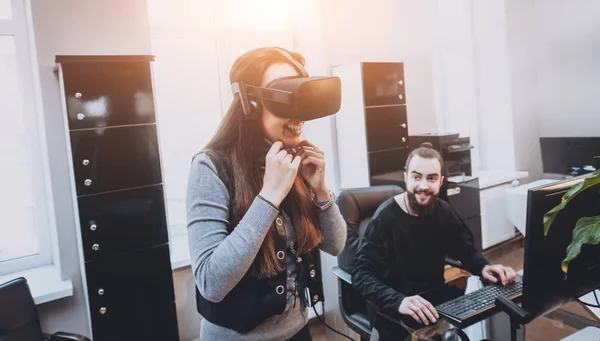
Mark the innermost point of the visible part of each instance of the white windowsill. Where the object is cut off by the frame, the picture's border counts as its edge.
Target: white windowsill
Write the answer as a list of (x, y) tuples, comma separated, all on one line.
[(44, 282)]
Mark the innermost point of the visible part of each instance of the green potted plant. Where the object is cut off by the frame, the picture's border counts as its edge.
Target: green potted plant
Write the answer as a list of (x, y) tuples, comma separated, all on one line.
[(587, 229)]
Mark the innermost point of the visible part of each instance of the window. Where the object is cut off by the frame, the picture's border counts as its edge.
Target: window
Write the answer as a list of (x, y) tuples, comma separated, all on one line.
[(25, 203)]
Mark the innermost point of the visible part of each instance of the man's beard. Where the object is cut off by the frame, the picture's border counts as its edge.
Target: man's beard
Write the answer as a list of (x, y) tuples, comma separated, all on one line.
[(418, 208)]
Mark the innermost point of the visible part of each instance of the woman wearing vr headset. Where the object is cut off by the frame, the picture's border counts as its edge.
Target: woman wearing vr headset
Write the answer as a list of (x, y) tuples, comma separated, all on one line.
[(259, 210)]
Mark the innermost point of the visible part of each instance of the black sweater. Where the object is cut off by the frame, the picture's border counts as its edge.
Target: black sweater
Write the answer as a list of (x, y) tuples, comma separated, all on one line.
[(403, 255)]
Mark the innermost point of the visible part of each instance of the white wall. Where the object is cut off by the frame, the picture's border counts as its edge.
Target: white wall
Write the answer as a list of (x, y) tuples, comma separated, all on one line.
[(520, 23), (388, 30), (536, 62), (493, 86), (554, 59), (567, 52), (437, 42)]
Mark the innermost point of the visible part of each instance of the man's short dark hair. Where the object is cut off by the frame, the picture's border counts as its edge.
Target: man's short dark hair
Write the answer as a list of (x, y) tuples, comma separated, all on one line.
[(425, 151)]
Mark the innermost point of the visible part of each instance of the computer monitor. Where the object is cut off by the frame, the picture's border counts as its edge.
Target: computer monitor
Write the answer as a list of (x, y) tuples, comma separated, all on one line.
[(545, 286)]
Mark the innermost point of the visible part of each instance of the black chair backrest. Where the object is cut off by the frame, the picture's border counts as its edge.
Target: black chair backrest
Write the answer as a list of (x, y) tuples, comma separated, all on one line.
[(357, 206), (19, 320)]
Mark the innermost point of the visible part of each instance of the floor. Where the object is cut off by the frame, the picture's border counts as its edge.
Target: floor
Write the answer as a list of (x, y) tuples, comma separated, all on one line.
[(509, 253), (317, 330)]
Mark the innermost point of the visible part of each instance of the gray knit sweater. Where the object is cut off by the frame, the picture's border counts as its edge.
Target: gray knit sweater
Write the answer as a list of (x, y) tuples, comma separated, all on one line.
[(220, 260)]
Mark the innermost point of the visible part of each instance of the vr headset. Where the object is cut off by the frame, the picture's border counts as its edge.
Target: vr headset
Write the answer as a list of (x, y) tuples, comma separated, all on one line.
[(300, 97)]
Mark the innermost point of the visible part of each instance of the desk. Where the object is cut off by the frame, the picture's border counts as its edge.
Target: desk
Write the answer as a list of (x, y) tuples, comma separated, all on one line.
[(393, 326), (495, 326)]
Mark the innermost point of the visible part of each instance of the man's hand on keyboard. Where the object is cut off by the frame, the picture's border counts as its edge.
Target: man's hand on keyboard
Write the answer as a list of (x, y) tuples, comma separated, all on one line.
[(492, 273), (419, 309)]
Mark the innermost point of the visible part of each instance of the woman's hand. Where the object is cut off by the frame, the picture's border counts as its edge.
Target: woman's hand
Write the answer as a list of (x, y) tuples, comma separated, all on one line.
[(312, 169), (281, 169)]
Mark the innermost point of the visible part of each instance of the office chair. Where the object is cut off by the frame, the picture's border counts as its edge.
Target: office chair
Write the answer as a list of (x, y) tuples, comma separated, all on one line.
[(19, 320), (358, 206)]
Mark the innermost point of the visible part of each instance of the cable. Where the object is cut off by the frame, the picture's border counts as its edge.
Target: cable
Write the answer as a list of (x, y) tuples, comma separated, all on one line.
[(326, 325)]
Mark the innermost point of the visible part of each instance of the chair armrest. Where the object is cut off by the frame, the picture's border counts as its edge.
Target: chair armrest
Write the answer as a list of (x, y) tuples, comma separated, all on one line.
[(341, 274), (62, 336), (454, 263)]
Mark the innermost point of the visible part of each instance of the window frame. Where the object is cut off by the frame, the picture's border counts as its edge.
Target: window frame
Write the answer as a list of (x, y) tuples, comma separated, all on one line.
[(20, 27)]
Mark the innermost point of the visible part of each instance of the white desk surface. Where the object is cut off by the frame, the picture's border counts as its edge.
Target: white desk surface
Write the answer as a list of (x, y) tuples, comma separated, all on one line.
[(490, 178), (586, 334)]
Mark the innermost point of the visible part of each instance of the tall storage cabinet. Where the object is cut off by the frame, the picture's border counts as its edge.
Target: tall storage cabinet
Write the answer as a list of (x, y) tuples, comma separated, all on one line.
[(372, 125), (119, 197)]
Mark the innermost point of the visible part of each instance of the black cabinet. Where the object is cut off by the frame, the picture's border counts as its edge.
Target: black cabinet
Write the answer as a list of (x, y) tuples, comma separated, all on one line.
[(386, 121), (372, 124), (104, 93), (387, 161), (129, 296), (119, 222), (387, 127), (113, 158), (116, 171), (463, 197), (383, 84)]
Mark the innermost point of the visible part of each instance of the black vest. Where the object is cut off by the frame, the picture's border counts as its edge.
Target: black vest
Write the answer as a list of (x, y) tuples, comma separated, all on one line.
[(253, 300)]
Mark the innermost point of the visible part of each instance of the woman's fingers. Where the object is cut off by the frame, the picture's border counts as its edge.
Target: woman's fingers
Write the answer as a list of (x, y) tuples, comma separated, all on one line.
[(311, 159)]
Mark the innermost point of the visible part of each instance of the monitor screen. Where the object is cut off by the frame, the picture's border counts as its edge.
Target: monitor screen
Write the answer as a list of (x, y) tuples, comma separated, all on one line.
[(560, 154), (545, 286)]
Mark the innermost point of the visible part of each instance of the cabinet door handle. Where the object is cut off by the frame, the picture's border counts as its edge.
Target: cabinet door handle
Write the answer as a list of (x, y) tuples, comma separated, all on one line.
[(95, 247), (103, 310)]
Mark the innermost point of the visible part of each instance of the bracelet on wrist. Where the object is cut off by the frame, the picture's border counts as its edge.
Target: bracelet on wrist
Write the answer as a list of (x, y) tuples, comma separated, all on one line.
[(327, 204)]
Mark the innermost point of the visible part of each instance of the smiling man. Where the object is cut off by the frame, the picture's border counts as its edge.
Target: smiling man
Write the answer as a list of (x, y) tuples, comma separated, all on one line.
[(405, 245)]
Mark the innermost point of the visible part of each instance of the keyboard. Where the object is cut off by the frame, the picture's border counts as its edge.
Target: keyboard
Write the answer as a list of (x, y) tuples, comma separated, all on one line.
[(461, 310)]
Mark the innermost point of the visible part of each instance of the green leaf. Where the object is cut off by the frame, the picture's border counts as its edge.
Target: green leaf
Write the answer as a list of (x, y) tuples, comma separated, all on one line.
[(586, 231), (590, 181)]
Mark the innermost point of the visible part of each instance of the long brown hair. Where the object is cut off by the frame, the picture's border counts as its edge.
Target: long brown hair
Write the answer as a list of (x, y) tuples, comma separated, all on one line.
[(238, 150)]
